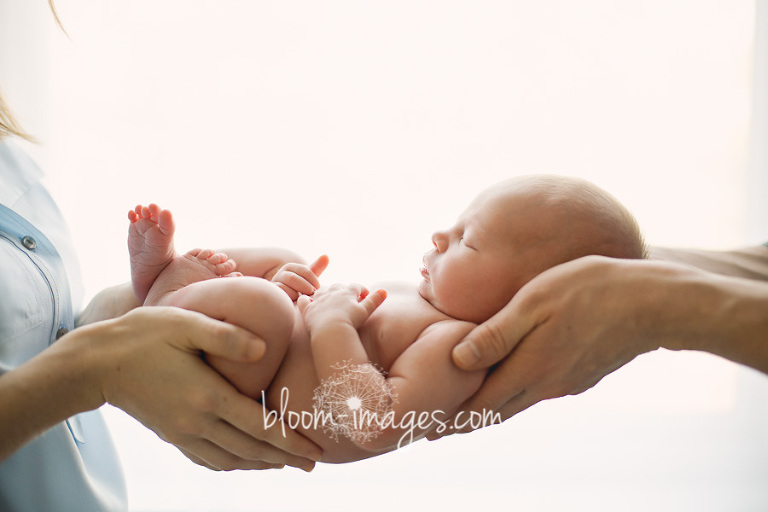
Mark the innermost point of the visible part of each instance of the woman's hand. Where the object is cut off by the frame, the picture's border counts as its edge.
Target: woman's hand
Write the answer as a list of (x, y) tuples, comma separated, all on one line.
[(149, 364)]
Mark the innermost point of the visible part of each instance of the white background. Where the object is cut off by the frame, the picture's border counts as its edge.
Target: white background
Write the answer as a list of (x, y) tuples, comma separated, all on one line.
[(358, 128)]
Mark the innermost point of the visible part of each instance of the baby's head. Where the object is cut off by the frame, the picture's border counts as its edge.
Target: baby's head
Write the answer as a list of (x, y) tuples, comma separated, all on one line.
[(515, 230)]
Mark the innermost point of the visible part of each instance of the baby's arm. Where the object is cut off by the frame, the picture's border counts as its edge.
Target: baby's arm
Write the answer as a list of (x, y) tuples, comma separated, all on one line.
[(428, 387), (423, 387), (262, 262), (283, 267), (332, 318)]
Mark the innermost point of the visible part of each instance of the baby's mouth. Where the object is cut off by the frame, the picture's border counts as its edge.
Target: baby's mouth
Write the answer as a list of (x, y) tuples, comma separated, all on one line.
[(423, 270)]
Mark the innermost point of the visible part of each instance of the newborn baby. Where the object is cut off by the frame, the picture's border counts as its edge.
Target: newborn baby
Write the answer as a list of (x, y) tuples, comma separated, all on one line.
[(359, 375)]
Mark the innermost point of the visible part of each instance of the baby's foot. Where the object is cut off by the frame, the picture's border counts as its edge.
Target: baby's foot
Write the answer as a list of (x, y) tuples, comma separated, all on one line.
[(150, 244), (196, 265)]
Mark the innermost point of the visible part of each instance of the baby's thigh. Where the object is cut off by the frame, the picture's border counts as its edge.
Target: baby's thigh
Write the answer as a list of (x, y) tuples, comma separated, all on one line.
[(249, 302), (253, 304)]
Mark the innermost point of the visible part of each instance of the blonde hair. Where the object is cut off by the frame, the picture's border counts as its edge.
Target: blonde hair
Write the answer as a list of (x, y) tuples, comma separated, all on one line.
[(8, 124)]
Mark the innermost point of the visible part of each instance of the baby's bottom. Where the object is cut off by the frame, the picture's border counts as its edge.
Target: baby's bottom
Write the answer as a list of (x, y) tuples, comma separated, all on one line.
[(253, 304)]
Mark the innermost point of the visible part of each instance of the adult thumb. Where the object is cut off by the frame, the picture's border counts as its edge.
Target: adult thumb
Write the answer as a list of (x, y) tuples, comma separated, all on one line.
[(491, 341), (215, 337)]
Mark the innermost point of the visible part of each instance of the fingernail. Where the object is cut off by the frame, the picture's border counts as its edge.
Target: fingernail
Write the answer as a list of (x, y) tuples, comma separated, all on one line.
[(467, 353), (307, 467), (257, 349)]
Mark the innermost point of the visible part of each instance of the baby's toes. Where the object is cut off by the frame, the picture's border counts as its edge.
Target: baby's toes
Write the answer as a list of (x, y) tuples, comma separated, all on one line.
[(145, 213), (154, 211)]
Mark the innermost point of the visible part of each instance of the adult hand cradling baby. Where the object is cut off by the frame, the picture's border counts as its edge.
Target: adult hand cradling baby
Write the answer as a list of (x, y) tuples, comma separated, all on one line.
[(575, 323)]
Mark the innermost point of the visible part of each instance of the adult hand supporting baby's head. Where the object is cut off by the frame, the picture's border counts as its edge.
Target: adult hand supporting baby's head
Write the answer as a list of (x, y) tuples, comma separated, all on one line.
[(561, 334)]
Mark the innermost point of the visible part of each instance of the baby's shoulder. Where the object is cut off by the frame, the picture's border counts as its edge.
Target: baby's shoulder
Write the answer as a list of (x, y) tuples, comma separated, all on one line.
[(449, 329)]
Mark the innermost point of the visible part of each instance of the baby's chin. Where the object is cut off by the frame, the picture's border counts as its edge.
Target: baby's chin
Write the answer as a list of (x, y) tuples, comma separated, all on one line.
[(425, 291)]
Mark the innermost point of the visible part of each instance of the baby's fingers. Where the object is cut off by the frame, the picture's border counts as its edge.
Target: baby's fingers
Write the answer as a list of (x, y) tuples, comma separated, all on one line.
[(302, 276), (373, 300), (319, 265), (292, 294), (303, 303), (298, 283)]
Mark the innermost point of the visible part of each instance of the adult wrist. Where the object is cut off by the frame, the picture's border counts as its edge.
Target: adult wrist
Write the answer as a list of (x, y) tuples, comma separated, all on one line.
[(110, 303), (84, 350), (721, 315)]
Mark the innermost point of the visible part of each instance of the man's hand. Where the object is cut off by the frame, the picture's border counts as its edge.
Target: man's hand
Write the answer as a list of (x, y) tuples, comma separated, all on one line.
[(563, 332)]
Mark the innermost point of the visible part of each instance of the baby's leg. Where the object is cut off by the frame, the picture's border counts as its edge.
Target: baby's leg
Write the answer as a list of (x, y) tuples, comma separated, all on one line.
[(254, 304), (156, 269), (150, 244)]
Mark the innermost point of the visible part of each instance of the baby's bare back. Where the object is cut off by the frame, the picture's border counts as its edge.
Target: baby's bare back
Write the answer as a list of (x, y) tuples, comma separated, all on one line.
[(392, 328)]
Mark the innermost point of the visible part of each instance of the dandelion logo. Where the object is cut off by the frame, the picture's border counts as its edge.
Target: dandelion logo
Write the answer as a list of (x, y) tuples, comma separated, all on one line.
[(356, 399)]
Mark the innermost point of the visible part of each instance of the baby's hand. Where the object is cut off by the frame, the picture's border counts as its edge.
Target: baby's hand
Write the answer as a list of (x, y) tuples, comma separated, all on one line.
[(351, 304), (296, 279)]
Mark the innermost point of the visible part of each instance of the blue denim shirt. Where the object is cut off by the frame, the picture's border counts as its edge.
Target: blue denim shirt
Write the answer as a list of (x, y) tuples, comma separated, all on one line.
[(73, 466)]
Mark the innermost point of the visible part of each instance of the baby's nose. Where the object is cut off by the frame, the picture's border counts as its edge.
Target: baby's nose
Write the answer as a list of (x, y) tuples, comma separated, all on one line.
[(439, 240)]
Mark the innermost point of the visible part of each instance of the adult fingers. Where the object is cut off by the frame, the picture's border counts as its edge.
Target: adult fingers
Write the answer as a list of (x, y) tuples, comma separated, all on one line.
[(216, 337), (491, 341), (253, 419), (504, 394), (234, 449), (197, 460), (508, 390), (209, 455), (483, 416)]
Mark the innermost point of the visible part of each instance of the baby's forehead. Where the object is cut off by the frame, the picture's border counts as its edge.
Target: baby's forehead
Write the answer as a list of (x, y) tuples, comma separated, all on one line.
[(524, 214)]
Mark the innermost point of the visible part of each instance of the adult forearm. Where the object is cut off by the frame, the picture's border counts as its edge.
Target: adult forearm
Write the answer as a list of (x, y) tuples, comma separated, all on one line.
[(575, 323), (746, 262), (51, 387), (720, 315)]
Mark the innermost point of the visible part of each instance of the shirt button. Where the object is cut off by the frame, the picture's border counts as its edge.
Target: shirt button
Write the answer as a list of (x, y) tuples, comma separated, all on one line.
[(61, 332), (29, 243)]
